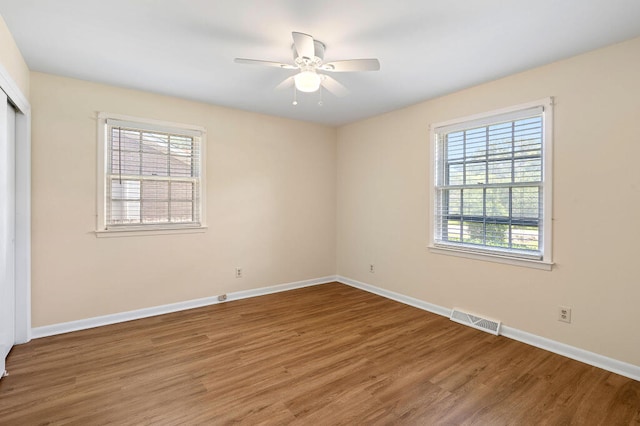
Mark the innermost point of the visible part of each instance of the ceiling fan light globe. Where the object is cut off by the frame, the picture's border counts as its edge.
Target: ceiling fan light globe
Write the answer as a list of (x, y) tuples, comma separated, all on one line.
[(307, 81)]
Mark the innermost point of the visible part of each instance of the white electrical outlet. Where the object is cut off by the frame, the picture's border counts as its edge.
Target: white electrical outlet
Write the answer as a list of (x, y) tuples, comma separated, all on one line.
[(564, 314), (372, 268), (238, 272)]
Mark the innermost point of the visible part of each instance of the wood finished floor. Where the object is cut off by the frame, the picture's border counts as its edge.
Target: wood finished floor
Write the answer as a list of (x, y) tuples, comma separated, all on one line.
[(321, 355)]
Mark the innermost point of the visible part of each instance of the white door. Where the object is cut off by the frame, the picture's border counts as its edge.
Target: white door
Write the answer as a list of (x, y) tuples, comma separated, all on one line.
[(7, 228)]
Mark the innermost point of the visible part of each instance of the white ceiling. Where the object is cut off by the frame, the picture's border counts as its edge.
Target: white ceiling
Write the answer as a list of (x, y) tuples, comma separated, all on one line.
[(426, 48)]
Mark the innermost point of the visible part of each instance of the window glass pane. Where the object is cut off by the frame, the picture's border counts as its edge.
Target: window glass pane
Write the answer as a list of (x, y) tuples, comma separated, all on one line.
[(181, 166), (473, 232), (500, 171), (500, 141), (497, 202), (181, 145), (498, 235), (527, 136), (476, 144), (114, 164), (181, 211), (476, 173), (455, 202), (528, 170), (526, 203), (455, 145), (154, 164), (125, 189), (125, 162), (155, 211), (527, 148), (525, 237), (129, 163), (472, 202), (125, 140), (155, 190), (155, 143), (125, 212), (182, 190), (456, 174), (452, 230)]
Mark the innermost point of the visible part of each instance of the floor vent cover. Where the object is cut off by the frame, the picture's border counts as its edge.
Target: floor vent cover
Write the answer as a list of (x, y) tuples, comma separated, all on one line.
[(485, 324)]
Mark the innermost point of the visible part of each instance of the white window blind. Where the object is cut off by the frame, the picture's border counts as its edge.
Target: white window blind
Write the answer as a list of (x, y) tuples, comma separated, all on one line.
[(489, 184), (152, 176)]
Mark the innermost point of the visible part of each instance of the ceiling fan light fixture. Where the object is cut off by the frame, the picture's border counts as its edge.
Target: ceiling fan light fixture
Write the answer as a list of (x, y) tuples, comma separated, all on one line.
[(307, 81)]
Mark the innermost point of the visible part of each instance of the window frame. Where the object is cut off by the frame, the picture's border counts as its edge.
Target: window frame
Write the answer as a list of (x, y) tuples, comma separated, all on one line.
[(483, 253), (151, 125)]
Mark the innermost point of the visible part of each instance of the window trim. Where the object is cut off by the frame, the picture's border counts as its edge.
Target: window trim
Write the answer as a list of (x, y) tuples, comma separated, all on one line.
[(101, 181), (545, 262)]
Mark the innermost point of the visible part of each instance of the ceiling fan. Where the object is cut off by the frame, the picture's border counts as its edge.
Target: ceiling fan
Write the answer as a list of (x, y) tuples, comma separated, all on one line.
[(308, 56)]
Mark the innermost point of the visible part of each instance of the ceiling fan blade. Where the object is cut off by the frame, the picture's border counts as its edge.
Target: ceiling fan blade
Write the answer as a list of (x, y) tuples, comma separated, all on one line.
[(304, 45), (333, 86), (264, 63), (286, 83), (352, 65)]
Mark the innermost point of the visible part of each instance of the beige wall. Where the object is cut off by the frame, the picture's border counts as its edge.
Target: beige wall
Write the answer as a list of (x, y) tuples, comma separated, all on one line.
[(11, 59), (270, 206), (383, 214)]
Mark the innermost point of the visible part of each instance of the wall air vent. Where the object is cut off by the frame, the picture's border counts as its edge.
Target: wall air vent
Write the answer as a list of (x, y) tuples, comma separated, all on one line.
[(475, 321)]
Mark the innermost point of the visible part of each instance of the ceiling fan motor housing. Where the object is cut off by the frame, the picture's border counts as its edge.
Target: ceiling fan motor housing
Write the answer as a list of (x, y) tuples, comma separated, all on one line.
[(319, 48)]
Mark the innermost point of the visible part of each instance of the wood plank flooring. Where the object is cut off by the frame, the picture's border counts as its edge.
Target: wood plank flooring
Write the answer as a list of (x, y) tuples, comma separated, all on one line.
[(321, 355)]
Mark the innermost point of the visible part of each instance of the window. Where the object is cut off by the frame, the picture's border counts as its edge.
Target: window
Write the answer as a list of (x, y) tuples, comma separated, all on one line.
[(151, 175), (492, 191)]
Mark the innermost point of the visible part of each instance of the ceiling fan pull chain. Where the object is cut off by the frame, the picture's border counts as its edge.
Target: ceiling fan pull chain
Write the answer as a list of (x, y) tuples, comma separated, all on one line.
[(295, 96)]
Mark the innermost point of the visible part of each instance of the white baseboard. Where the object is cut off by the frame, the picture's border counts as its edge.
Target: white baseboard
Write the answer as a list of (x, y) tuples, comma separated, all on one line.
[(407, 300), (83, 324), (591, 358), (619, 367)]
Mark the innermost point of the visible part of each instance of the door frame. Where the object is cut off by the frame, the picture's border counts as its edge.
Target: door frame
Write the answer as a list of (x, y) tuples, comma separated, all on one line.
[(23, 206)]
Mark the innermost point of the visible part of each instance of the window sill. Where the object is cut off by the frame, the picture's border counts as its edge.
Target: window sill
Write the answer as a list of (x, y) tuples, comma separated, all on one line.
[(527, 263), (140, 232)]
